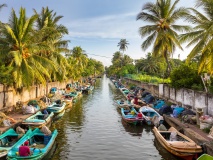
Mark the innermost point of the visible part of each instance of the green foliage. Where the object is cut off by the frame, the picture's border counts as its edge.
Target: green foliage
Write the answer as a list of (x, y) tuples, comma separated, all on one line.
[(185, 76), (6, 75), (148, 78)]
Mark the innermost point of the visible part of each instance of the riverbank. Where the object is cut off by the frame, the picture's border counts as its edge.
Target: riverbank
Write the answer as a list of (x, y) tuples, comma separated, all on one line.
[(191, 131)]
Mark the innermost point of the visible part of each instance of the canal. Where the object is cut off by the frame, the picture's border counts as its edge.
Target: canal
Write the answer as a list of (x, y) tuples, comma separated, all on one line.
[(94, 130)]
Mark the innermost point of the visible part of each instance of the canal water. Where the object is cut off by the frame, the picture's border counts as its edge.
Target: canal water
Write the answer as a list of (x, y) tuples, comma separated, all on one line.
[(94, 130)]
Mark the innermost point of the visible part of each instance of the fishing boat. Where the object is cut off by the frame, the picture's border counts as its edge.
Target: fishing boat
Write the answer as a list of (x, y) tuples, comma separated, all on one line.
[(67, 99), (151, 116), (177, 143), (87, 89), (123, 104), (125, 91), (8, 139), (56, 107), (39, 119), (39, 143), (131, 116)]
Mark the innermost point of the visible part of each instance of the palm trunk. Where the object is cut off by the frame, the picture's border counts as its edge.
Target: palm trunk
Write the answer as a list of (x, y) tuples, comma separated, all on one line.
[(168, 68), (4, 99)]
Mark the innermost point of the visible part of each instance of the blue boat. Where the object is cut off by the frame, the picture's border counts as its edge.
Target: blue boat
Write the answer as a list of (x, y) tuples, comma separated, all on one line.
[(151, 116), (39, 119), (158, 104), (39, 143), (8, 139), (56, 107), (131, 116)]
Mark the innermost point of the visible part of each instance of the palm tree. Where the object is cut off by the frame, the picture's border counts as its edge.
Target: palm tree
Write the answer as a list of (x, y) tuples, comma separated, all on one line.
[(19, 46), (51, 37), (77, 61), (123, 45), (163, 15), (201, 37)]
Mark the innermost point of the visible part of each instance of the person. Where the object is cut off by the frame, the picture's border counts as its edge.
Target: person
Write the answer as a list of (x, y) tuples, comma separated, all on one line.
[(24, 150), (135, 101)]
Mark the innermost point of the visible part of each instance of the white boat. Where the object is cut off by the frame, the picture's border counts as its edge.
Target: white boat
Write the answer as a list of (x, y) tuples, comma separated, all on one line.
[(151, 116)]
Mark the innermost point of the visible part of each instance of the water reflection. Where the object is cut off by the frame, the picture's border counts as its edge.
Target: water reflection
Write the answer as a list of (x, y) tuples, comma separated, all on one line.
[(163, 152), (132, 129), (94, 129)]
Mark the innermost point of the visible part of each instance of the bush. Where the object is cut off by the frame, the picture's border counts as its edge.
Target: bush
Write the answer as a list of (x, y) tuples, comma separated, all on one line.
[(185, 76)]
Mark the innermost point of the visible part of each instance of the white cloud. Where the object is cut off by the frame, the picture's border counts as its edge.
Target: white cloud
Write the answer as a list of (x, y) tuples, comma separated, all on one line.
[(111, 26)]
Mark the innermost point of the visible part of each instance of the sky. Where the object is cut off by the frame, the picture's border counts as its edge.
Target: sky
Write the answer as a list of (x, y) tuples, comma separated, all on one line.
[(96, 25)]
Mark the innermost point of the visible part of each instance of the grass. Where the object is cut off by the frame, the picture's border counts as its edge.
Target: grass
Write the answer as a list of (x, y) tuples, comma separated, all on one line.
[(148, 78)]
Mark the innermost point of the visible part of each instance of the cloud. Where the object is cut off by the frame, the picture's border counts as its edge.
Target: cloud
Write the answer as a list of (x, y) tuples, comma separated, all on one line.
[(110, 26)]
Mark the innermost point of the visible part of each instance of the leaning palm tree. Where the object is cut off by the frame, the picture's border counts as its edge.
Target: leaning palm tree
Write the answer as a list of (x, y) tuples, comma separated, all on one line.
[(19, 46), (163, 31), (201, 38)]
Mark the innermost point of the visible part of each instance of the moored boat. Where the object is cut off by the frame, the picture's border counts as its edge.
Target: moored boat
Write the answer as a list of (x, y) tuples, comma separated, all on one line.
[(123, 104), (131, 116), (177, 143), (56, 107), (39, 143), (39, 119), (8, 139), (151, 116)]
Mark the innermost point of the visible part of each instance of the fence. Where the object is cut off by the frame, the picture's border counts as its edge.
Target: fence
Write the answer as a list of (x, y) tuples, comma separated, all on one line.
[(185, 97)]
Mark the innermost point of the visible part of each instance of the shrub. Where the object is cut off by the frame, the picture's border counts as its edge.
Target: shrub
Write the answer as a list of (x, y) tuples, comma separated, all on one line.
[(185, 76)]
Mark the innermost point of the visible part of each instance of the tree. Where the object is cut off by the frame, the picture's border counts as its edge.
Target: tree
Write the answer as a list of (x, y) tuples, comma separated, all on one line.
[(6, 79), (51, 37), (77, 61), (201, 36), (162, 15), (123, 45), (19, 48)]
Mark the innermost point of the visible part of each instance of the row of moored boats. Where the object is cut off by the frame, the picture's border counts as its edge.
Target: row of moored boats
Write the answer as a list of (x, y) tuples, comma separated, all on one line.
[(141, 107), (34, 129)]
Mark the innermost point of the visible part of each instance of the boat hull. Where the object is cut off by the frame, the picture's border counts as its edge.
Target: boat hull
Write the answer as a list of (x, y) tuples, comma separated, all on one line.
[(185, 149), (38, 153)]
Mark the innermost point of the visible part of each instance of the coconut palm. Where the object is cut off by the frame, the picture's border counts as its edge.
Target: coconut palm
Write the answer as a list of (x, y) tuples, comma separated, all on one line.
[(201, 38), (18, 49), (163, 31), (51, 36), (78, 61), (123, 45)]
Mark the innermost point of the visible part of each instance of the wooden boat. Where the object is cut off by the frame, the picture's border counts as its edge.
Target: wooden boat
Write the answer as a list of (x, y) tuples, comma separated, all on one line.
[(125, 91), (179, 145), (39, 143), (131, 116), (39, 119), (56, 107), (123, 104), (87, 89), (205, 157), (8, 139), (151, 116)]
